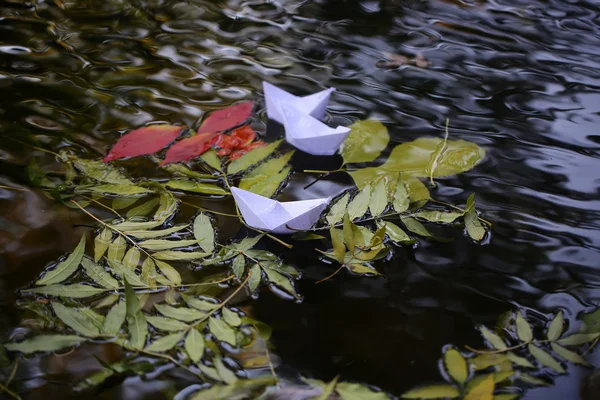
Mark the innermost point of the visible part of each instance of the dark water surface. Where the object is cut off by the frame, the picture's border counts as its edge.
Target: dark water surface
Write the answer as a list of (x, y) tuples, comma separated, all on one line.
[(520, 78)]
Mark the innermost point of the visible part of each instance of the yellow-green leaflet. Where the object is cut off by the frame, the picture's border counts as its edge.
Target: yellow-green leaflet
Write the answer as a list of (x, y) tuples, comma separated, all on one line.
[(66, 268)]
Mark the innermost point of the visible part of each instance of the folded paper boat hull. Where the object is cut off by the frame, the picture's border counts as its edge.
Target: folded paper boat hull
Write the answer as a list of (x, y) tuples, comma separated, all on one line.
[(314, 105)]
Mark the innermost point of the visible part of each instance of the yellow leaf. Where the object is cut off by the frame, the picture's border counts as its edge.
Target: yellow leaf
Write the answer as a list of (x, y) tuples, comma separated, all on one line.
[(483, 391)]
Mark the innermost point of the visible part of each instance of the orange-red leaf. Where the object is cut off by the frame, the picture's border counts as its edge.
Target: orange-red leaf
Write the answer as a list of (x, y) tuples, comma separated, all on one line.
[(238, 153), (244, 136), (143, 141), (227, 118), (224, 142), (189, 148), (223, 152)]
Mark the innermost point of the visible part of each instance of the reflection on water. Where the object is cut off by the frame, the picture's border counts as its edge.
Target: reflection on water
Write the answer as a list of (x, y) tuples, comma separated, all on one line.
[(520, 78)]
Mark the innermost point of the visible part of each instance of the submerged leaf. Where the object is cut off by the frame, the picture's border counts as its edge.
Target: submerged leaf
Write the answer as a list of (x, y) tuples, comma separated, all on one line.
[(111, 188), (204, 232), (432, 392), (99, 171), (143, 141), (367, 139), (143, 209), (66, 268), (45, 343), (136, 322)]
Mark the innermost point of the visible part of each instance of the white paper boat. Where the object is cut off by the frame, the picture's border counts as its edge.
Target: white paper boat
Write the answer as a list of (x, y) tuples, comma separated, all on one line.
[(309, 134), (273, 216), (314, 105)]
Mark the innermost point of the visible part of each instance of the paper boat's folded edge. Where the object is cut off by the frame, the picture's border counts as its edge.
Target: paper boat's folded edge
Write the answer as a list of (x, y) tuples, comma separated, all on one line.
[(314, 105)]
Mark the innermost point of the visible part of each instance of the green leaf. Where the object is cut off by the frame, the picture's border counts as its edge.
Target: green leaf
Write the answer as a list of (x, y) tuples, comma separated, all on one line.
[(569, 355), (280, 280), (402, 197), (338, 244), (474, 227), (164, 244), (132, 258), (165, 343), (268, 187), (362, 269), (76, 320), (199, 304), (246, 243), (126, 226), (167, 207), (211, 159), (108, 300), (143, 209), (75, 291), (507, 396), (232, 318), (122, 190), (254, 280), (64, 269), (494, 339), (379, 201), (172, 255), (120, 203), (348, 234), (101, 243), (415, 226), (166, 324), (456, 366), (126, 273), (591, 322), (194, 345), (438, 216), (251, 158), (238, 266), (360, 203), (204, 232), (578, 339), (337, 211), (520, 361), (45, 343), (367, 139), (169, 272), (181, 313), (532, 380), (145, 234), (136, 322), (545, 359), (114, 319), (116, 250), (226, 374), (98, 274), (486, 360), (241, 389), (149, 274), (254, 180), (222, 331), (482, 391), (523, 329), (354, 391), (394, 232), (432, 392), (195, 187)]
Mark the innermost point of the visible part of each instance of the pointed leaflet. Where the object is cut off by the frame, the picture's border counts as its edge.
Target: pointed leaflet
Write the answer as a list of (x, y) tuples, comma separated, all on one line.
[(210, 158), (114, 319), (169, 272), (474, 227), (432, 392), (518, 360), (339, 250), (137, 325), (143, 209), (394, 232), (181, 313), (238, 266), (438, 216), (494, 339), (167, 207), (252, 158), (194, 345), (401, 197), (199, 304), (348, 234), (173, 255), (99, 171), (126, 273), (545, 359), (415, 226), (523, 329), (367, 139), (222, 331), (360, 203), (190, 147), (231, 317), (337, 211), (280, 280), (66, 268), (456, 366), (120, 203), (204, 232), (578, 339), (569, 355), (132, 258), (165, 343), (76, 291), (143, 141), (354, 391), (111, 188), (254, 280), (101, 243), (227, 118), (116, 250), (99, 274), (45, 343), (166, 324), (164, 244), (76, 320), (483, 391), (226, 374), (379, 200), (556, 327), (487, 360), (195, 187), (269, 186), (264, 171), (144, 234)]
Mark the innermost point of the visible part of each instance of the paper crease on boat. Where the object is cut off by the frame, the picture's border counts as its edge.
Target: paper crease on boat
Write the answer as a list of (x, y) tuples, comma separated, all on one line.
[(278, 217)]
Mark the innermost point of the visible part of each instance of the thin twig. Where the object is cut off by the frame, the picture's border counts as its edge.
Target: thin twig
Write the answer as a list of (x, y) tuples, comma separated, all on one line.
[(14, 188), (103, 205), (209, 210), (498, 351), (9, 392), (12, 373)]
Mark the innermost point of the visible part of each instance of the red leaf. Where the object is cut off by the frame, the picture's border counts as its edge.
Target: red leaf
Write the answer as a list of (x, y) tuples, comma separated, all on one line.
[(143, 141), (189, 148), (223, 152), (227, 118), (225, 142), (244, 135), (238, 153)]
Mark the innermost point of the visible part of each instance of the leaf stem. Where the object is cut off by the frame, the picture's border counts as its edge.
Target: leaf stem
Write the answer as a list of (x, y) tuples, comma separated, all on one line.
[(459, 209), (332, 275), (594, 343), (318, 171), (271, 367), (102, 205), (209, 210), (14, 188), (9, 392), (438, 154), (171, 359), (500, 351)]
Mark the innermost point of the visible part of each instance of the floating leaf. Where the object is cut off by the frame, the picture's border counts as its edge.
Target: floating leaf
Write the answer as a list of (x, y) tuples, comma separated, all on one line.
[(75, 291), (222, 331), (99, 274), (269, 186), (196, 187), (456, 366), (394, 232), (280, 280), (338, 244), (166, 324), (254, 279), (483, 391), (578, 339), (518, 360), (401, 197), (532, 380), (348, 234), (66, 268), (507, 396), (165, 343), (167, 206), (169, 272), (143, 209), (76, 320), (362, 269), (204, 232), (438, 216), (494, 339), (114, 319), (116, 250), (190, 147), (226, 374), (211, 159), (181, 313), (144, 234), (149, 274), (108, 300), (240, 389), (523, 329), (45, 343), (354, 391), (136, 322), (194, 345), (360, 203), (126, 226), (120, 203), (110, 188), (238, 266), (432, 392), (198, 304), (545, 359), (415, 226), (246, 243), (132, 258), (101, 243), (231, 317), (591, 322), (378, 202), (367, 139), (126, 273), (569, 355), (163, 244), (266, 178), (252, 158), (173, 255), (143, 141), (486, 360), (227, 118), (337, 211)]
